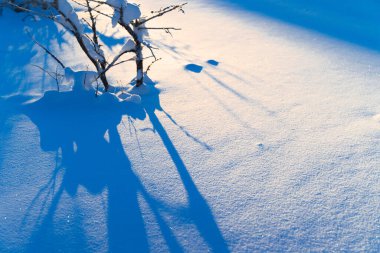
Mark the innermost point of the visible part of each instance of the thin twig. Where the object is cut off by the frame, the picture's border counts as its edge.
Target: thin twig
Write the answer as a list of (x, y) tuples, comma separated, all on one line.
[(47, 51), (94, 9), (162, 12), (112, 64), (151, 64), (56, 77), (159, 28), (151, 49)]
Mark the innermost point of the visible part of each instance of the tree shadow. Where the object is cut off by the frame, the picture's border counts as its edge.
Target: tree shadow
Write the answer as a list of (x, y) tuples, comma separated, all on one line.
[(197, 69), (352, 21), (213, 69), (198, 209), (77, 129), (83, 132), (18, 51)]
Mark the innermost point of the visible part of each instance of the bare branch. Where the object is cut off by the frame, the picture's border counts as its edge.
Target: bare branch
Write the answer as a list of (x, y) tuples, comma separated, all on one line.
[(47, 51), (130, 59), (162, 12), (151, 64), (166, 29), (112, 64), (44, 70), (159, 28), (94, 9), (151, 49), (56, 76), (30, 11), (93, 24)]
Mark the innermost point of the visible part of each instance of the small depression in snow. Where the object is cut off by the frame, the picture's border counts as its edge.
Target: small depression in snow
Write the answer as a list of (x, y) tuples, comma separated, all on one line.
[(194, 68), (213, 62)]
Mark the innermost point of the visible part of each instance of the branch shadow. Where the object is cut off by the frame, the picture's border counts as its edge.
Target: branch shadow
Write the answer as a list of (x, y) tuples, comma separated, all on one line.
[(18, 51), (83, 131), (197, 69), (209, 68), (198, 209)]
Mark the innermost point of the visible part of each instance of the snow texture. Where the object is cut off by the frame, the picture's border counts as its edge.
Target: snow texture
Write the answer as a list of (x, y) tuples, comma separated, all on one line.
[(269, 142)]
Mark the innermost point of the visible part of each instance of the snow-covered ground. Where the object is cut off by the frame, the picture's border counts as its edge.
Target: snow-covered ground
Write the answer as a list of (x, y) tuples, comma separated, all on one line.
[(264, 136)]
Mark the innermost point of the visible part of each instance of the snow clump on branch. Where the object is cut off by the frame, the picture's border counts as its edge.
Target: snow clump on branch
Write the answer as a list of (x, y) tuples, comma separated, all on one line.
[(123, 10), (70, 20)]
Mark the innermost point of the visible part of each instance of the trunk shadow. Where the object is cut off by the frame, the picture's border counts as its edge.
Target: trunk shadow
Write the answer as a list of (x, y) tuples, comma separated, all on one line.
[(91, 155)]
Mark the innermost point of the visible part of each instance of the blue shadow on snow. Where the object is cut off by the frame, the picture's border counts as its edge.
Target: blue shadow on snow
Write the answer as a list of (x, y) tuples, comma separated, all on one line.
[(357, 22), (89, 159), (194, 68)]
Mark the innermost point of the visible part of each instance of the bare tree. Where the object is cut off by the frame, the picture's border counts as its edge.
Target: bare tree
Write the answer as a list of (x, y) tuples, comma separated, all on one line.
[(90, 46), (130, 18), (125, 14)]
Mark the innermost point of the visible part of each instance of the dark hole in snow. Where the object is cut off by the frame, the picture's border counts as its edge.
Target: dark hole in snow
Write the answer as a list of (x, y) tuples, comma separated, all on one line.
[(194, 68), (213, 62)]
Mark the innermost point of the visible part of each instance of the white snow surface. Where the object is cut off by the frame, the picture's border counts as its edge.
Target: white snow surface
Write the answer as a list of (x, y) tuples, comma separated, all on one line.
[(261, 136)]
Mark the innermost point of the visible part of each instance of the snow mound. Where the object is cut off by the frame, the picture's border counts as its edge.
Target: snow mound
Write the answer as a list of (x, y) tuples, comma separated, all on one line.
[(82, 80), (144, 89)]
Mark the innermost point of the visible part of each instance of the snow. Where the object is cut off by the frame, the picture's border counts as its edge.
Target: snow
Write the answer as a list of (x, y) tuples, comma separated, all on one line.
[(144, 89), (68, 19), (115, 3), (65, 8), (81, 80), (128, 46), (133, 98), (99, 54), (69, 14), (115, 17), (141, 31), (258, 134), (130, 11)]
